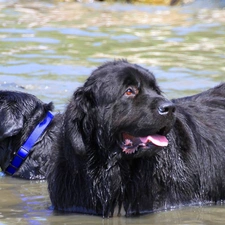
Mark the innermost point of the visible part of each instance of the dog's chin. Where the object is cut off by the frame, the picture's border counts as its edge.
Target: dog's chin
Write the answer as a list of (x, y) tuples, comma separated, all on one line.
[(134, 147), (147, 151)]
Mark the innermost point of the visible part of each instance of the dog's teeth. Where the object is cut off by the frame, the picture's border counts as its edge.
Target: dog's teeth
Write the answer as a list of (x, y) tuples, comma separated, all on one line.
[(129, 151), (128, 142), (142, 144), (125, 149)]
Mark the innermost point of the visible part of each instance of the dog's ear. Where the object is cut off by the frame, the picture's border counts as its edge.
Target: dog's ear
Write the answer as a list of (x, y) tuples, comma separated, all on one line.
[(79, 120), (11, 122)]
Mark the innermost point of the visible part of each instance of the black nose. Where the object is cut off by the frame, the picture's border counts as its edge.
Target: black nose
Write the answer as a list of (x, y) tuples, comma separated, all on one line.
[(166, 108)]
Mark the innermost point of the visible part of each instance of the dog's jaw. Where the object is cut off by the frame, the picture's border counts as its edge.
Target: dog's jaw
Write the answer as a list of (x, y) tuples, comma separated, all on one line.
[(132, 145)]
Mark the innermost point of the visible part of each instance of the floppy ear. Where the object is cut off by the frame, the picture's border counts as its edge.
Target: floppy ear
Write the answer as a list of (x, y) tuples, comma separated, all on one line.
[(11, 122), (78, 121)]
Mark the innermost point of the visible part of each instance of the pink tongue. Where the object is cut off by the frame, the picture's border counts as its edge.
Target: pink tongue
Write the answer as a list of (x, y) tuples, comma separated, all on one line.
[(156, 139)]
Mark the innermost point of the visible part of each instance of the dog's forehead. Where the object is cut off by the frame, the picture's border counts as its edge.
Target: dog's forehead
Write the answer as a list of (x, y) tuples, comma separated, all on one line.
[(124, 73), (136, 74), (112, 79)]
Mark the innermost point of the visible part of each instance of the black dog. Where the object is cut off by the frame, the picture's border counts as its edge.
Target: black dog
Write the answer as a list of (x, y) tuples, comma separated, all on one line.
[(110, 146), (114, 149), (25, 151)]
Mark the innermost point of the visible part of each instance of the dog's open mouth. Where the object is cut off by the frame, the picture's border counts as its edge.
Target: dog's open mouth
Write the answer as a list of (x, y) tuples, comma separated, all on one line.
[(131, 144)]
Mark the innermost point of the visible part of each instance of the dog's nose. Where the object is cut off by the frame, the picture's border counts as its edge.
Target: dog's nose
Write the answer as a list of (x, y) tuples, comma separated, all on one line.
[(166, 108)]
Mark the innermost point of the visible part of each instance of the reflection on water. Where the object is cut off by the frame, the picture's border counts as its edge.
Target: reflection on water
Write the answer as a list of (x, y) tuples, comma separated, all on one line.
[(49, 49), (27, 202), (60, 44)]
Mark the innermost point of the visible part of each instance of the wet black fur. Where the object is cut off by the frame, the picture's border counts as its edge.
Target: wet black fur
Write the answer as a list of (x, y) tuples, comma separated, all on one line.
[(91, 174), (19, 114), (190, 171)]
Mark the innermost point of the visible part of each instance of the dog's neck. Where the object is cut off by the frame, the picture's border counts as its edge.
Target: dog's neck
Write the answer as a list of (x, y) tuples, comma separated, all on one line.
[(23, 152)]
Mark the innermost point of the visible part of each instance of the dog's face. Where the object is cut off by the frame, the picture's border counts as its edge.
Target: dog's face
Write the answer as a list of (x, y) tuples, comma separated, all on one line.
[(127, 108)]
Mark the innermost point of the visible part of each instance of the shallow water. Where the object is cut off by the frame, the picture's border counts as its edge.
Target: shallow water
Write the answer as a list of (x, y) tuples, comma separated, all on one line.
[(27, 202), (49, 48)]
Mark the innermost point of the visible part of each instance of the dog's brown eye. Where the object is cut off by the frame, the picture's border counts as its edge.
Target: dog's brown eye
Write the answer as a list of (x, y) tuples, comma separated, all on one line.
[(131, 92)]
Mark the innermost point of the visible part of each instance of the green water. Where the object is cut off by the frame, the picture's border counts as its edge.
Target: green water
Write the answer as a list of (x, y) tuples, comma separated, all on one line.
[(49, 48)]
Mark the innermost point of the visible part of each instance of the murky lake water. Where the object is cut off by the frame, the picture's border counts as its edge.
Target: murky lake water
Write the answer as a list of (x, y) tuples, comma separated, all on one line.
[(48, 49)]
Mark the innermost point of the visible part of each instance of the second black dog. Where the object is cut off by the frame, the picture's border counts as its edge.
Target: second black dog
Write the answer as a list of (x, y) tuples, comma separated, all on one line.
[(27, 132)]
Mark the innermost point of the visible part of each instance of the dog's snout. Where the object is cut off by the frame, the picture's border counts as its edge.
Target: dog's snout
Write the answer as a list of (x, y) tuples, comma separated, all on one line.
[(166, 108)]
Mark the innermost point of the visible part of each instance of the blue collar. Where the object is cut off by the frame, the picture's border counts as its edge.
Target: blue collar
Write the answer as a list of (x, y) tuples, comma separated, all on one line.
[(24, 150)]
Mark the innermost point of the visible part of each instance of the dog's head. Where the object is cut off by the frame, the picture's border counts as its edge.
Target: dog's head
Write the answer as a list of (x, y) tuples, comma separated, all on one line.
[(19, 114), (120, 105)]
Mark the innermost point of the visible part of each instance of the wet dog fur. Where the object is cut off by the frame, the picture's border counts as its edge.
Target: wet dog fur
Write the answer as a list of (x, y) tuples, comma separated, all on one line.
[(99, 161), (20, 113), (94, 153)]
